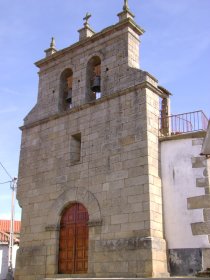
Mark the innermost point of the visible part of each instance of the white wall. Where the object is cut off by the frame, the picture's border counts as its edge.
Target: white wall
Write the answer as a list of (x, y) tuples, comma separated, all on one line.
[(179, 183), (3, 261), (15, 248), (206, 143)]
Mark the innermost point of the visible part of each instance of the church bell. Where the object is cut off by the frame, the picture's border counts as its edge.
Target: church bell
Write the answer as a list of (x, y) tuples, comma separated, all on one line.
[(96, 86), (69, 96)]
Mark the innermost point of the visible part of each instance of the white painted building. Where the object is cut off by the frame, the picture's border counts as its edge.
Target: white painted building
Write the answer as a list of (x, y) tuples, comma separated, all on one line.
[(4, 259), (4, 246), (184, 172)]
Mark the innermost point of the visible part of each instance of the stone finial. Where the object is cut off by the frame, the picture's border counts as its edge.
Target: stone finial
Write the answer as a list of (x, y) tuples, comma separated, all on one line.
[(52, 44), (126, 13), (52, 48), (86, 31), (125, 7)]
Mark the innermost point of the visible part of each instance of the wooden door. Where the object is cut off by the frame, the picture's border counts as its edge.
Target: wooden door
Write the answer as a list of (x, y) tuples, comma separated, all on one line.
[(73, 243)]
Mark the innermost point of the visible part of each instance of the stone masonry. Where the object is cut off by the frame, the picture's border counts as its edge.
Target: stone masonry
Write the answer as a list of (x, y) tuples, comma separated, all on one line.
[(202, 202), (117, 175)]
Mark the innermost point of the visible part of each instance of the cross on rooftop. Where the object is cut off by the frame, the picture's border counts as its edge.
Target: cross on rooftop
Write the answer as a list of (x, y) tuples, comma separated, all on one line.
[(86, 18)]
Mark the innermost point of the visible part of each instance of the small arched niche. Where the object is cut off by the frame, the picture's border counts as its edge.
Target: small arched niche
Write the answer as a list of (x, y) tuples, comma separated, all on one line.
[(66, 82), (94, 78)]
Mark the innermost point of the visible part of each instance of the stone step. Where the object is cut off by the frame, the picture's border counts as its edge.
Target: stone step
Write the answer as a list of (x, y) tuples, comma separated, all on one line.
[(167, 278), (204, 274)]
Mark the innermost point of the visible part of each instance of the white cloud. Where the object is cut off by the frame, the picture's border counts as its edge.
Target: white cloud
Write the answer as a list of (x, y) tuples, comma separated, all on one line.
[(8, 27), (8, 91), (185, 60), (5, 216), (173, 7), (5, 197), (178, 53), (9, 109)]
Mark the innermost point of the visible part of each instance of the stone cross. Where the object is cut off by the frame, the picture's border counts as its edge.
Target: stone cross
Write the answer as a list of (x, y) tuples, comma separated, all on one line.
[(86, 18)]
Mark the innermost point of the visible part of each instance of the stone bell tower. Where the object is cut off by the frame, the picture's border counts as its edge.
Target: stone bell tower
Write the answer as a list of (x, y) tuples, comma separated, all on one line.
[(89, 184)]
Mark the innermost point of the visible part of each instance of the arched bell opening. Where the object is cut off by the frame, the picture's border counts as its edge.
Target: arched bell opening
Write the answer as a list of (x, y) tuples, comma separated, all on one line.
[(66, 82), (94, 78), (73, 240)]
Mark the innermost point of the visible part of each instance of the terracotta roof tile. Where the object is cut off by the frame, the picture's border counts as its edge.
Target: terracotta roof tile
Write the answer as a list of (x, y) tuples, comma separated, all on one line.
[(5, 226)]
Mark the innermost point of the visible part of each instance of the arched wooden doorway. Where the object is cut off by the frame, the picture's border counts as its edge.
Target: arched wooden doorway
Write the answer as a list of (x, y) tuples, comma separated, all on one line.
[(73, 243)]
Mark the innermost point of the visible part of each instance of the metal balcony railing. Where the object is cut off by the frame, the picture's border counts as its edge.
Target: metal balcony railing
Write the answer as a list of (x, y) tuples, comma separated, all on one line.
[(183, 123)]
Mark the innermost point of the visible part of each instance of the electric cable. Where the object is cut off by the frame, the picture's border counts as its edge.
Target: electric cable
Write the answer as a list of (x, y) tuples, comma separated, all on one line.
[(2, 183), (6, 171)]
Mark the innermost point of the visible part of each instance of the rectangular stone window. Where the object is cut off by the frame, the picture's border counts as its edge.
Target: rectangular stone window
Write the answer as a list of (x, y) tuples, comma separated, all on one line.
[(75, 148)]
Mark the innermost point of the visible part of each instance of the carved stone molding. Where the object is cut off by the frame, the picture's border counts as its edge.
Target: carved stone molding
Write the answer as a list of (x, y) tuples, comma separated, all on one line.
[(52, 228), (72, 195), (95, 223)]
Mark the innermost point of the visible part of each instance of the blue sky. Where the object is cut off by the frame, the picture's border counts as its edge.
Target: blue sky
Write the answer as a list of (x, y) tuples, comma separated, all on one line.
[(175, 49)]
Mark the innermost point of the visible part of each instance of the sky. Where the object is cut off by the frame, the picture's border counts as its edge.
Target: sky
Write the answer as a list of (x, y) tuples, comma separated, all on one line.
[(175, 49)]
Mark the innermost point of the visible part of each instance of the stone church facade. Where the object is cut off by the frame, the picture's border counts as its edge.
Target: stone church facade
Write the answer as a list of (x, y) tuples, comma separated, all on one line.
[(89, 175)]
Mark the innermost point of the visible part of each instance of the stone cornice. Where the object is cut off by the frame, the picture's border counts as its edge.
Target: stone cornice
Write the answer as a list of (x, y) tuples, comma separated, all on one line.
[(105, 32), (165, 90), (196, 134), (142, 85)]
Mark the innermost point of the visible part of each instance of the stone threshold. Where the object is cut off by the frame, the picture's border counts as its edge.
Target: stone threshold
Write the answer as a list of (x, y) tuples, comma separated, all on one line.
[(121, 278)]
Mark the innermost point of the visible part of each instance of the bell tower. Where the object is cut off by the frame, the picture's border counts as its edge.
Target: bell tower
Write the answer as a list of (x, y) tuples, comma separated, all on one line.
[(91, 144)]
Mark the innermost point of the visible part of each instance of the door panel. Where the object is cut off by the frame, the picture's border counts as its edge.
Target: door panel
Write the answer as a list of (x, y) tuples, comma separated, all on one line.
[(73, 244)]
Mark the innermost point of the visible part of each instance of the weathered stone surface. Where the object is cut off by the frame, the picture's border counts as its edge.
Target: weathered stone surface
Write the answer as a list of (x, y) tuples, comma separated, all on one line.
[(201, 228), (197, 202), (206, 214), (206, 258), (121, 244), (202, 182), (198, 162), (191, 260)]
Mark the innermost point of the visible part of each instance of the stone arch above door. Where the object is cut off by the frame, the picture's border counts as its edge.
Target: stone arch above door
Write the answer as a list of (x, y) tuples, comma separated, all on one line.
[(80, 195)]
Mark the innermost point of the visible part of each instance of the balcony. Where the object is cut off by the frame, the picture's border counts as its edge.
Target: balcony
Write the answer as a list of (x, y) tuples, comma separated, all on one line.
[(182, 123)]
